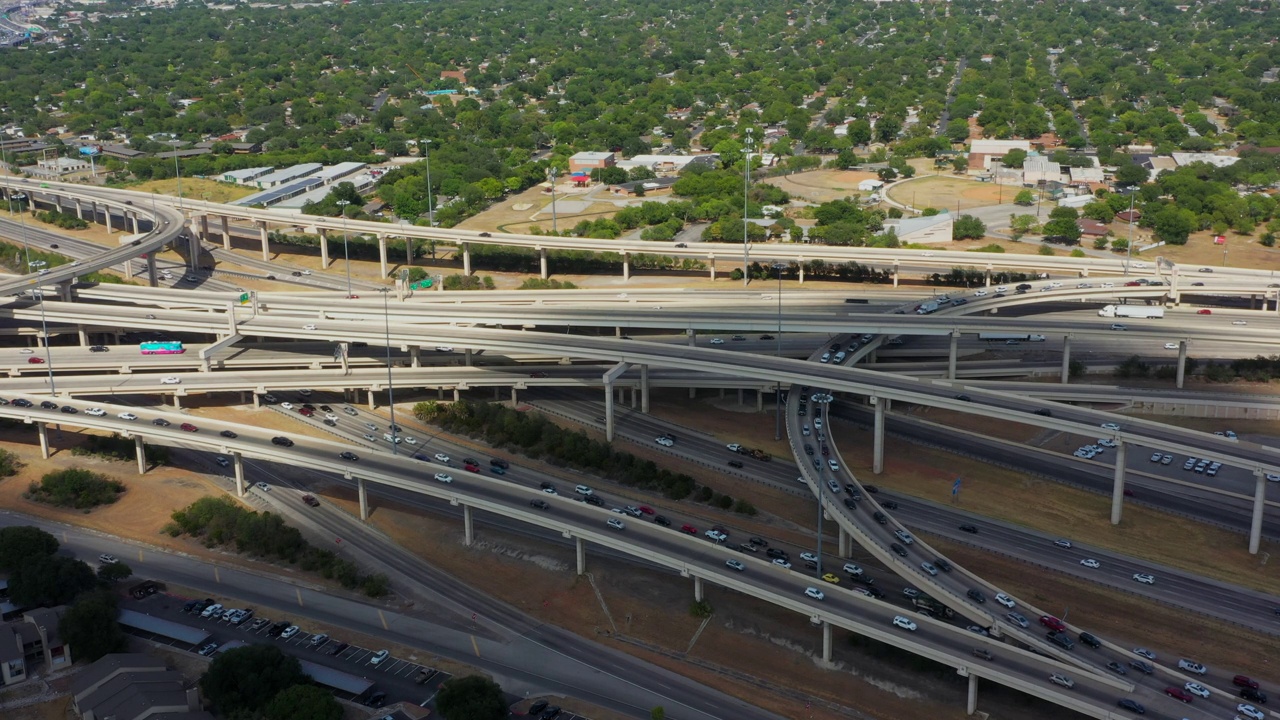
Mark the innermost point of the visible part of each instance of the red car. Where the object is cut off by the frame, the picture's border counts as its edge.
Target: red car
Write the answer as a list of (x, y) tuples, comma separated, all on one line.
[(1053, 623), (537, 375), (35, 360), (1178, 693), (471, 467), (646, 510), (689, 529), (305, 411), (188, 427), (1133, 283), (1244, 681), (353, 297), (1204, 311)]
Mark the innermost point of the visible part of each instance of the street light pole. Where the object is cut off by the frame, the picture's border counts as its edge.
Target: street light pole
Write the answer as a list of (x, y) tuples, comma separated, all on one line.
[(38, 291), (25, 249), (346, 253), (551, 174), (1128, 259), (777, 353), (391, 397), (746, 187), (431, 213), (820, 401)]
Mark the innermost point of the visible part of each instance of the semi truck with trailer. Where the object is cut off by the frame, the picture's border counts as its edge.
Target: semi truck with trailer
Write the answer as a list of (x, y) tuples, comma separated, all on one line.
[(1132, 311), (1000, 337)]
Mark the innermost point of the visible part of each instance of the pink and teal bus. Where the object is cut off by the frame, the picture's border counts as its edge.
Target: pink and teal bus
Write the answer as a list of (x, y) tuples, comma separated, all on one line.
[(162, 347)]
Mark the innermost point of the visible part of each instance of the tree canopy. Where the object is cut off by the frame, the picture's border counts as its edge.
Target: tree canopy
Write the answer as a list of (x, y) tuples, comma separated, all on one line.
[(248, 678), (474, 697)]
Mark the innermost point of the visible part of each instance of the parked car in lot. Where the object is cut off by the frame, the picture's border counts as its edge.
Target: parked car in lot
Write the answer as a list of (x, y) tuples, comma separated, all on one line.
[(379, 657)]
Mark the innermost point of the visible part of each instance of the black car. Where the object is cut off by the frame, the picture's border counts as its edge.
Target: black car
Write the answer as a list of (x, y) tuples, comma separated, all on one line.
[(1132, 706), (1142, 667), (748, 547), (889, 505), (976, 595), (326, 408), (282, 441), (69, 410), (942, 564), (1093, 642), (880, 517), (329, 422), (551, 713), (758, 541), (348, 455), (22, 403), (189, 605), (378, 697), (544, 485), (540, 504), (969, 529), (594, 500), (1257, 696), (777, 553), (1044, 412), (47, 405), (808, 449), (500, 463), (735, 463), (228, 434), (849, 503), (875, 592), (662, 520), (964, 398), (1116, 668), (537, 707), (1024, 286), (278, 628), (161, 422), (99, 348), (901, 551), (871, 489), (335, 649)]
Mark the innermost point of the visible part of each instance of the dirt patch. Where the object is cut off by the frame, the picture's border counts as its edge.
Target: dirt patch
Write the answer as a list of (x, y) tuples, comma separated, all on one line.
[(945, 191), (521, 212), (821, 186), (196, 189)]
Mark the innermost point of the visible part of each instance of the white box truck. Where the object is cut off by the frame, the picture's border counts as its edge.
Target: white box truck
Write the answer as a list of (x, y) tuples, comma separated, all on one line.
[(1132, 311), (996, 337)]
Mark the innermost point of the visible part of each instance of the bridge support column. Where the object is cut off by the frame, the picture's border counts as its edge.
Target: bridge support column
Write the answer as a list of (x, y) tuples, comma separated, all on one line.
[(951, 356), (373, 403), (698, 593), (42, 429), (1066, 358), (514, 397), (877, 453), (342, 352), (644, 389), (542, 262), (133, 220), (826, 641), (693, 392), (1117, 488), (895, 274), (152, 279), (204, 227), (801, 264), (106, 213), (324, 248), (987, 279), (740, 401), (1182, 362), (971, 705), (582, 555), (140, 450), (80, 209), (226, 233), (845, 547), (84, 336), (1259, 503), (364, 499), (468, 526), (257, 401), (759, 400), (262, 235), (626, 266), (415, 356), (456, 395), (711, 263), (237, 461), (608, 412), (382, 254), (635, 396), (466, 357), (466, 259)]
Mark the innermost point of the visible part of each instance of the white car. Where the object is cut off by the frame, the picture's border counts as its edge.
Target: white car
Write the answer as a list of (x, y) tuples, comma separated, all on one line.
[(370, 438), (582, 490), (1002, 289), (1145, 578), (835, 466), (735, 565), (782, 563), (27, 351), (1239, 322), (442, 458), (1155, 457), (127, 416), (1110, 426), (664, 441), (1107, 442), (904, 623), (809, 557), (980, 293), (170, 380), (1139, 264), (814, 593), (1083, 285), (304, 392), (331, 416), (309, 326), (1273, 477), (444, 348), (717, 341), (734, 447), (212, 610), (96, 412), (1064, 544), (804, 430), (263, 487), (444, 478), (1196, 688), (1006, 601), (106, 559), (1250, 711), (616, 524), (1118, 326), (409, 439), (1091, 563), (289, 632), (852, 569), (287, 405), (1171, 346), (1055, 284), (379, 656), (817, 422), (1143, 652), (716, 536), (1107, 285), (306, 272)]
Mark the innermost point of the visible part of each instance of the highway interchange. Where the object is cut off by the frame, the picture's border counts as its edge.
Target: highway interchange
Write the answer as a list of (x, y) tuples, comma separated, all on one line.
[(411, 328)]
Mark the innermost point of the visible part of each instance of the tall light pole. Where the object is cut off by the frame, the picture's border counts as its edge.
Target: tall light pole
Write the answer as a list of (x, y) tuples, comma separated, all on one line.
[(38, 292), (746, 187), (177, 171), (1133, 193), (431, 213), (346, 253), (391, 397), (25, 250), (777, 352), (551, 174), (821, 401)]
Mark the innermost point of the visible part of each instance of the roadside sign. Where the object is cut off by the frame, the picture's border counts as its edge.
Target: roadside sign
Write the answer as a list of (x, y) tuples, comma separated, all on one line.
[(244, 298)]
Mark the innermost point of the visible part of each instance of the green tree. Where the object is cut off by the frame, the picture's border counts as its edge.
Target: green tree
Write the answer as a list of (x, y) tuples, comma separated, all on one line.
[(1174, 224), (112, 573), (1100, 243), (1131, 173), (1014, 158), (658, 713), (303, 702), (21, 542), (89, 626), (1062, 226), (1023, 223), (245, 679), (1024, 197), (474, 697), (50, 580), (968, 227)]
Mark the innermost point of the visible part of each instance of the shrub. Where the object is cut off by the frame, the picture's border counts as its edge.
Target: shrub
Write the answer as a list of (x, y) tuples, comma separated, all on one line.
[(76, 488), (700, 609)]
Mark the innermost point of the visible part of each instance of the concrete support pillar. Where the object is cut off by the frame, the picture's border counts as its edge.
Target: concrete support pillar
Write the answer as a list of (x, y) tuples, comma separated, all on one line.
[(177, 401), (106, 213), (373, 403), (84, 336), (324, 248), (971, 706), (698, 593), (128, 269), (382, 254), (152, 279), (237, 461), (257, 401), (877, 455), (1259, 503), (801, 263), (826, 641), (644, 389), (364, 499), (468, 527), (1066, 358), (693, 392), (740, 400), (542, 263), (226, 233), (344, 350), (987, 279), (466, 357), (456, 395), (1182, 362), (514, 397), (42, 429), (693, 337), (626, 266), (1117, 489), (759, 400), (466, 259), (845, 545), (635, 395), (617, 331), (204, 227), (711, 263), (415, 356), (141, 451), (262, 235), (951, 356), (582, 555), (608, 412), (895, 274), (721, 391), (133, 220), (80, 209)]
